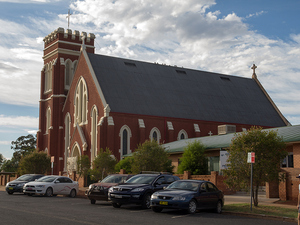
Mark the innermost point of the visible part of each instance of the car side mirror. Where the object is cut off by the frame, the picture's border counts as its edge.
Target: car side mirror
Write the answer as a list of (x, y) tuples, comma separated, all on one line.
[(165, 187)]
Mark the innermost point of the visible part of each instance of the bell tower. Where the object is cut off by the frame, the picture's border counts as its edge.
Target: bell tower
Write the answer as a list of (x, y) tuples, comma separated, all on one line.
[(62, 49)]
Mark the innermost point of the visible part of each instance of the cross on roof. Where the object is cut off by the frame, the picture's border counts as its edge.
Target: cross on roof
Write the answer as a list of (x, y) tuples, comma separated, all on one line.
[(210, 133), (253, 67), (68, 16)]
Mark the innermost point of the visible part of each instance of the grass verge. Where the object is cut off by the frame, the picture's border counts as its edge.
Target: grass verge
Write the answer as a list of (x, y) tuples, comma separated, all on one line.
[(262, 210)]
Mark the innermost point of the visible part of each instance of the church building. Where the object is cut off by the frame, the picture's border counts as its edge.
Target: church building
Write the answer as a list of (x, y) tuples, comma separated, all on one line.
[(90, 102)]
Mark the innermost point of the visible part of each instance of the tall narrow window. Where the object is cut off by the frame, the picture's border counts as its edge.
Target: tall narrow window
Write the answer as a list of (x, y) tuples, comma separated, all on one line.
[(94, 117), (68, 73), (48, 119), (125, 142), (154, 135), (67, 140), (81, 100), (48, 77), (125, 135)]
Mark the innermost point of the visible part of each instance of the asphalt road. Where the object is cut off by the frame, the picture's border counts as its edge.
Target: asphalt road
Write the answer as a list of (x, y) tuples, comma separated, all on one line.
[(21, 209)]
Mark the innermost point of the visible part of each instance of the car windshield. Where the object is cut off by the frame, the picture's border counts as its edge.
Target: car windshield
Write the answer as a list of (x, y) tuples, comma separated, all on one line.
[(25, 178), (46, 179), (184, 185), (141, 179), (114, 179)]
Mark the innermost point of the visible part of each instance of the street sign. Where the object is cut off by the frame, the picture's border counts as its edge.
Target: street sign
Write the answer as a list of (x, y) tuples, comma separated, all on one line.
[(251, 157)]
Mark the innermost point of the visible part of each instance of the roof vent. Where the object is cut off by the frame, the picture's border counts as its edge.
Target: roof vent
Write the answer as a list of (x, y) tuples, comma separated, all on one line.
[(181, 71), (225, 78), (226, 129), (129, 64)]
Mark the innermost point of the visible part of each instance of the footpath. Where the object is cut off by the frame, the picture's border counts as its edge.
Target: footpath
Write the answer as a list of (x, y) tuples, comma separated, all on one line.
[(237, 198)]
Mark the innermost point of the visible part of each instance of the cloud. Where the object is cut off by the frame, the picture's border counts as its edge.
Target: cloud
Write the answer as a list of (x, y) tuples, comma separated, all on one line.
[(256, 14), (29, 1), (19, 121)]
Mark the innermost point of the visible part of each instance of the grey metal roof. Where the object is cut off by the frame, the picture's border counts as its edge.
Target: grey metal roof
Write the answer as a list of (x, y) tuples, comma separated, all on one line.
[(289, 134), (137, 87)]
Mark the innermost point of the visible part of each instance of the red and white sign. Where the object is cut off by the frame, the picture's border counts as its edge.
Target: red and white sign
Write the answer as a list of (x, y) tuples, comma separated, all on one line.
[(251, 157)]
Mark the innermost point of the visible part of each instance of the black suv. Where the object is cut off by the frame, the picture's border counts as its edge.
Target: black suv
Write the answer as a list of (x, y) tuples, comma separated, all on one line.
[(139, 188)]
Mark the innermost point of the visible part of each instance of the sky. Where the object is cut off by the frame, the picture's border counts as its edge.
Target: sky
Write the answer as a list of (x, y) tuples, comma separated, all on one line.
[(222, 36)]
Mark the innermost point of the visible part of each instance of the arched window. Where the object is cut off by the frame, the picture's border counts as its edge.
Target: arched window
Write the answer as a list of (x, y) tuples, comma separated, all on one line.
[(182, 135), (48, 119), (70, 69), (125, 135), (94, 118), (155, 134), (67, 139), (81, 101), (48, 77)]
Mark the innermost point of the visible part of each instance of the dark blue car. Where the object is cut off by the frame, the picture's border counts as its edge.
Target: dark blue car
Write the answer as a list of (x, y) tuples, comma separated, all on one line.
[(138, 189), (17, 184), (189, 195)]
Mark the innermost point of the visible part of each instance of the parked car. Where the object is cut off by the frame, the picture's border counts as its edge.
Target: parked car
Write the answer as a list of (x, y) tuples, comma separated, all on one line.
[(51, 186), (17, 184), (189, 195), (99, 191), (138, 189)]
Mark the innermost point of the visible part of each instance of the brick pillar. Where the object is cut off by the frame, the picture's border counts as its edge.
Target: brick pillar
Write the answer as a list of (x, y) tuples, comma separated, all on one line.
[(122, 171), (186, 175), (272, 189), (282, 188), (214, 177)]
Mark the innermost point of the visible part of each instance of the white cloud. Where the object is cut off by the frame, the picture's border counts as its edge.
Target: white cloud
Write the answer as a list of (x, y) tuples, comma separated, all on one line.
[(19, 121), (256, 14)]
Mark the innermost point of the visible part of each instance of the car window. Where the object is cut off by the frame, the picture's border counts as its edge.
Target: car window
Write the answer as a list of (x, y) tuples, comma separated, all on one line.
[(46, 179), (211, 187), (67, 180), (141, 179), (24, 178), (61, 180), (203, 187), (161, 180), (170, 180)]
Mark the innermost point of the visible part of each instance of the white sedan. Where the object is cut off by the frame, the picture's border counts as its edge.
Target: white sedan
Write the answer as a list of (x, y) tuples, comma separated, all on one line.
[(52, 186)]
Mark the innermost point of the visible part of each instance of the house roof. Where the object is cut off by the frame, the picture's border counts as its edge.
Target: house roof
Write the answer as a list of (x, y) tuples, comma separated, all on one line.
[(289, 134), (136, 87)]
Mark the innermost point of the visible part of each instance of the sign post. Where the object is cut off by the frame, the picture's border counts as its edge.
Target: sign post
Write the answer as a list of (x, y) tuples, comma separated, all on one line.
[(251, 159), (52, 162)]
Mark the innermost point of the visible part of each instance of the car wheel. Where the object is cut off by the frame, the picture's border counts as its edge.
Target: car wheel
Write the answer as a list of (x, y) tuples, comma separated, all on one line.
[(49, 192), (156, 209), (72, 193), (146, 201), (29, 194), (219, 207), (116, 205), (192, 206), (93, 201)]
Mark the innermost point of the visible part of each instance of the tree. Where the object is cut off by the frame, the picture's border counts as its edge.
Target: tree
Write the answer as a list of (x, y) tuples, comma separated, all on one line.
[(35, 162), (194, 159), (10, 165), (269, 151), (125, 164), (150, 156), (83, 167), (2, 160), (103, 164), (23, 146)]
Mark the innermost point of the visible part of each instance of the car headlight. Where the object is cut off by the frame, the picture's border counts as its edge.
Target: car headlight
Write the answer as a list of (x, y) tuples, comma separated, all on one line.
[(91, 186), (179, 198), (154, 196), (137, 190), (7, 184), (40, 186), (110, 189)]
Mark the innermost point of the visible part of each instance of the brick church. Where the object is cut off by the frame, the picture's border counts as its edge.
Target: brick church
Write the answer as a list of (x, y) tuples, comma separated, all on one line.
[(90, 101)]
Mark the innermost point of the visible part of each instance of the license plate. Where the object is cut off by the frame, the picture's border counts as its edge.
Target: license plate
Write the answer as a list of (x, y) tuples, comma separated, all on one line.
[(163, 203), (118, 196), (10, 188), (29, 189)]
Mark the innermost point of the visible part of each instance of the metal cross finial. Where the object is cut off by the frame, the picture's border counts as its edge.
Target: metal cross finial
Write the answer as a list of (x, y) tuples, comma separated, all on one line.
[(253, 67), (68, 16)]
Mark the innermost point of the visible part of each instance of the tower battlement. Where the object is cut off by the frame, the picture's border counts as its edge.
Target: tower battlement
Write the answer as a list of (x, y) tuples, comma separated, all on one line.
[(61, 34)]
